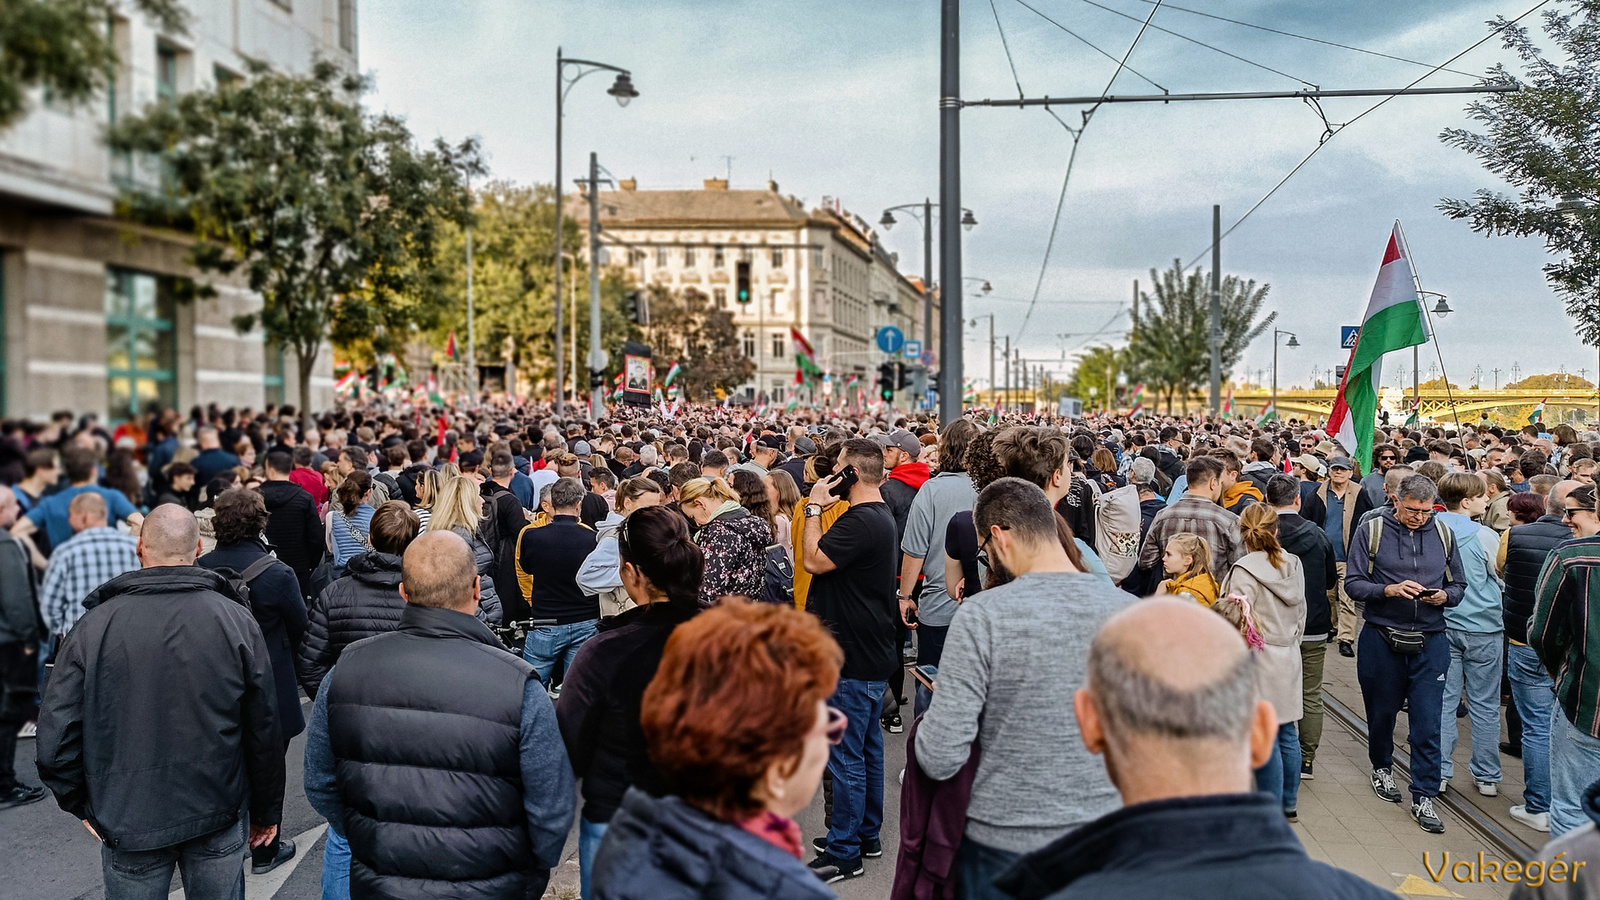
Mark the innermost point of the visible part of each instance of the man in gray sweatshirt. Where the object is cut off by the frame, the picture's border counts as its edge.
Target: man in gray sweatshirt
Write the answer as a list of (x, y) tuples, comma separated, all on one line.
[(1014, 656)]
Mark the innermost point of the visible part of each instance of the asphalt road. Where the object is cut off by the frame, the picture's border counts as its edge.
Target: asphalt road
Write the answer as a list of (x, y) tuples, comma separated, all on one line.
[(49, 856)]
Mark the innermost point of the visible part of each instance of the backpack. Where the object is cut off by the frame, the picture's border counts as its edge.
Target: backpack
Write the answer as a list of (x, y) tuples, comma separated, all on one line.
[(1116, 533), (240, 581), (1375, 537), (778, 584)]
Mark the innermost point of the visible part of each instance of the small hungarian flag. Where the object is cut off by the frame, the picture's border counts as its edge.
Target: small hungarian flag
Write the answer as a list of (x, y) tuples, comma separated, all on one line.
[(1538, 413), (1415, 415), (1227, 405), (450, 349), (617, 394), (1268, 413), (1138, 401), (793, 404), (347, 384), (805, 358), (672, 374)]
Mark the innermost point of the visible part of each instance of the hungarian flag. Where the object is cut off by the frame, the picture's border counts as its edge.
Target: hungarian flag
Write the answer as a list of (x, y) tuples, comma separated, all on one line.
[(1393, 321), (1415, 415), (1138, 401), (805, 358), (793, 403), (672, 375), (1537, 415), (1268, 413), (347, 384), (1227, 404), (450, 348)]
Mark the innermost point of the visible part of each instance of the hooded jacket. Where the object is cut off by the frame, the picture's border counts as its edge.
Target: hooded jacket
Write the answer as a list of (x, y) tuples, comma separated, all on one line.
[(149, 759), (1278, 599), (1307, 540), (293, 528), (1403, 555), (1242, 494), (734, 545), (365, 602), (900, 488)]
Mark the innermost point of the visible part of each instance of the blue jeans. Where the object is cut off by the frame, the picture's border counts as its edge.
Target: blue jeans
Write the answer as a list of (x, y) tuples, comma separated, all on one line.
[(335, 866), (589, 835), (1475, 663), (977, 866), (548, 643), (1574, 765), (1387, 679), (1280, 774), (856, 765), (212, 867), (1535, 696)]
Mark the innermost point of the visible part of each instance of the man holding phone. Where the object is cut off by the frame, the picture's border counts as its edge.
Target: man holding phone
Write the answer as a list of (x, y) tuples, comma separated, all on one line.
[(1406, 568)]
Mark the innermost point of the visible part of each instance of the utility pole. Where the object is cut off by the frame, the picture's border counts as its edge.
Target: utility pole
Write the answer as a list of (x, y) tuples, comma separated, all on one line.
[(951, 315), (1496, 371), (1005, 405), (596, 355), (472, 347), (991, 358), (1215, 333), (927, 275)]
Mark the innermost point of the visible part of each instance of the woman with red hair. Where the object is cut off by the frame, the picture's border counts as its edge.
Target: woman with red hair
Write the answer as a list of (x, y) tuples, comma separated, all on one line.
[(738, 724)]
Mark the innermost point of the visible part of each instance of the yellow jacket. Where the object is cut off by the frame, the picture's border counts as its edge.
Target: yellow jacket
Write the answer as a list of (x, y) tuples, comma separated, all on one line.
[(797, 530), (1200, 586)]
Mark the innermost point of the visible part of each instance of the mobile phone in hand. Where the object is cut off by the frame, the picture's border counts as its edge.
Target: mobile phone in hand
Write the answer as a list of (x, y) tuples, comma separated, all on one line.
[(847, 480)]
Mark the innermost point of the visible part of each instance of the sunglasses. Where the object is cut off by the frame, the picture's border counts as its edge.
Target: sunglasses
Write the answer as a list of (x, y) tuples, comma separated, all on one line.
[(838, 722), (1577, 509)]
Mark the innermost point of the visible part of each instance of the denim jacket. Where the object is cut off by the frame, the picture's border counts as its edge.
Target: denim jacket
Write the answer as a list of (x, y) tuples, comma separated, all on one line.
[(1479, 611)]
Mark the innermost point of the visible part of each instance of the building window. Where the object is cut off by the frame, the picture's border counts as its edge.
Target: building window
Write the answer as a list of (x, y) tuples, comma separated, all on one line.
[(140, 347), (749, 344), (816, 257), (347, 25), (166, 74), (777, 257), (223, 77), (718, 258), (720, 297), (688, 257), (778, 347), (661, 257)]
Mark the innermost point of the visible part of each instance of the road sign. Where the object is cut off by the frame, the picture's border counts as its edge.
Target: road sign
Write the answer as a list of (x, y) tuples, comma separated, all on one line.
[(927, 357), (890, 340), (1347, 336), (913, 350)]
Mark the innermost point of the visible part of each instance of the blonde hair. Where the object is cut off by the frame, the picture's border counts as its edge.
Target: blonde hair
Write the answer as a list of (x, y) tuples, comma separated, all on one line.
[(632, 489), (696, 488), (459, 505), (1197, 548), (1259, 523), (427, 488)]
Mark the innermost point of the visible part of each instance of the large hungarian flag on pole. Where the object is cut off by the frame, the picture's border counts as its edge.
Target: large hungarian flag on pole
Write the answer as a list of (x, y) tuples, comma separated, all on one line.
[(1393, 322)]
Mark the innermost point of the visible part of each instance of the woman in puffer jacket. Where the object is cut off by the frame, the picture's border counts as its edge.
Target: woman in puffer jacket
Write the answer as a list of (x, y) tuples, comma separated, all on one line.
[(733, 539), (459, 508), (601, 573), (363, 603)]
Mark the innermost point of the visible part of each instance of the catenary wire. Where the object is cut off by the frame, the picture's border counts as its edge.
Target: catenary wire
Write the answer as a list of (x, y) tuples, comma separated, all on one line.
[(1007, 47), (1086, 42), (1262, 66)]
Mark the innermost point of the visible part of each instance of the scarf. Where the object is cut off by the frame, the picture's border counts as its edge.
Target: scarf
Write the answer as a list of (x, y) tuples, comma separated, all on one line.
[(776, 830)]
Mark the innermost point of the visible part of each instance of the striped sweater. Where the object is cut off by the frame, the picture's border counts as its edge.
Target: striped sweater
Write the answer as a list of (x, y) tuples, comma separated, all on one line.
[(1565, 628)]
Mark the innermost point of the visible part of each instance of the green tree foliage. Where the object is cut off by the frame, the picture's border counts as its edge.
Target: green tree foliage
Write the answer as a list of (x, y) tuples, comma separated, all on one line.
[(64, 47), (1167, 346), (331, 215), (1545, 142), (1089, 380), (702, 339)]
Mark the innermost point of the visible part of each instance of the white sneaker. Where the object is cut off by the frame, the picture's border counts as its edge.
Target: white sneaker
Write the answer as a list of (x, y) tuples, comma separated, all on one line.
[(1536, 821), (1444, 786), (1487, 788), (29, 729)]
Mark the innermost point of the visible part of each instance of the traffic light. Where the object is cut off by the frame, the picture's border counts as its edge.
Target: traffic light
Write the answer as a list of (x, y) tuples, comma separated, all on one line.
[(633, 306), (741, 281), (902, 376), (887, 381), (597, 380)]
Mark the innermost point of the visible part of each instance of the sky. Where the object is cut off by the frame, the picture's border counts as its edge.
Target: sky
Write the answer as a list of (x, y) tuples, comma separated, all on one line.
[(839, 99)]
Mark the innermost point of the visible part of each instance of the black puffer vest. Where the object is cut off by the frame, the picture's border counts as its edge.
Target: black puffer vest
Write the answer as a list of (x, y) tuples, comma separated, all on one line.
[(1526, 550), (425, 724)]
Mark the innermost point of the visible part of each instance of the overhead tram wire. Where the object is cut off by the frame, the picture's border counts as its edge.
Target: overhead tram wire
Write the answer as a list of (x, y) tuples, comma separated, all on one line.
[(1328, 138), (1304, 37), (1007, 47), (1230, 55), (1086, 42), (1077, 137)]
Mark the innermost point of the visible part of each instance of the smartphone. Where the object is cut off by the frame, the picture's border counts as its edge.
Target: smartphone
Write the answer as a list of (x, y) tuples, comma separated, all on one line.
[(847, 480), (925, 675)]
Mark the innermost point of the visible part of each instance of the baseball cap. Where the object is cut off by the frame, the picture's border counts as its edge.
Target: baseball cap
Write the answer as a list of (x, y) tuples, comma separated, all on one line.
[(902, 439), (1341, 462), (1311, 463), (771, 440)]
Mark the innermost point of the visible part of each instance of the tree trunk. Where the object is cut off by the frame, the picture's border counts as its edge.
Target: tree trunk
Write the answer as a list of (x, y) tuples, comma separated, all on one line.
[(306, 362)]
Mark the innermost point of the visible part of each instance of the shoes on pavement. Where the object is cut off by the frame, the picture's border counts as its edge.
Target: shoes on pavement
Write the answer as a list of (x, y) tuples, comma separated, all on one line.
[(1461, 710), (1537, 821), (1510, 749), (1305, 771), (1444, 786), (22, 795), (1487, 788), (29, 729), (1346, 650), (892, 724), (871, 848), (831, 869), (1427, 819), (1292, 815), (285, 853), (1383, 785)]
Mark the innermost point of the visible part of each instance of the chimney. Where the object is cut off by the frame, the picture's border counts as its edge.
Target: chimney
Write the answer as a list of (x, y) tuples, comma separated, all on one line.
[(629, 184), (716, 184), (772, 185)]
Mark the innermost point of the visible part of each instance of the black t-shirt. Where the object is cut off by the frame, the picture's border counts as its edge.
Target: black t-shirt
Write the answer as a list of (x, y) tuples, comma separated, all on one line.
[(961, 545), (856, 599)]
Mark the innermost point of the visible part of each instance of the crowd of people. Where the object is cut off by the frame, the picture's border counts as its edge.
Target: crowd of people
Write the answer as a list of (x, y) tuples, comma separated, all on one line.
[(670, 630)]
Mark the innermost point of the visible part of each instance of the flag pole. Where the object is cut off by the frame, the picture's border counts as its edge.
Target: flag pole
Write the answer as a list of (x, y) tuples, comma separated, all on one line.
[(1433, 335)]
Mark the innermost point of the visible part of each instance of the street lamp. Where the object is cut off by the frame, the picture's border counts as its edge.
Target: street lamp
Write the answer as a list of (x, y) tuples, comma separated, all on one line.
[(1293, 343), (623, 90), (986, 288), (926, 218)]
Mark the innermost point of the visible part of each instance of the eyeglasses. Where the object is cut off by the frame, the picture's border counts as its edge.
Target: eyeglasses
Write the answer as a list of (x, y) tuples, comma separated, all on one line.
[(983, 547), (838, 722), (1408, 511)]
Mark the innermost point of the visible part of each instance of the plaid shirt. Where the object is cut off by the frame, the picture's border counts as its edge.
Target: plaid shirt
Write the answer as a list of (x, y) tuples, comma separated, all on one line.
[(1200, 516), (91, 558), (1565, 629)]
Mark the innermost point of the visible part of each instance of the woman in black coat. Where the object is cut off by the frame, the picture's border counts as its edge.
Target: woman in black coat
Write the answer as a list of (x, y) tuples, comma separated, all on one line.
[(600, 698)]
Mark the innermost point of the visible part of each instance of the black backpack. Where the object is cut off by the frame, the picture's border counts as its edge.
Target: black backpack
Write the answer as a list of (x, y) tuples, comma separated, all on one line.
[(778, 585), (240, 581)]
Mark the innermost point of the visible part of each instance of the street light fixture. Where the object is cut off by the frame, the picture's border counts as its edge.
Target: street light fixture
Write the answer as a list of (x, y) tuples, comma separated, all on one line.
[(967, 221), (622, 89), (1442, 308), (1293, 343), (926, 218)]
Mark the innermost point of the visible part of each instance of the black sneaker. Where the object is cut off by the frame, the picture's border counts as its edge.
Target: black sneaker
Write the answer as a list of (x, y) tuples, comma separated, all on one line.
[(1511, 749), (22, 795), (892, 724), (1292, 815), (871, 849), (1422, 811), (1346, 650), (285, 853), (1383, 785), (1305, 771), (831, 870)]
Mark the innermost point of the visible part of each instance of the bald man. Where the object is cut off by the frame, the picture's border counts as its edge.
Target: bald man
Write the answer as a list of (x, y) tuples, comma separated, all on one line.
[(94, 555), (434, 752), (1171, 705), (158, 766)]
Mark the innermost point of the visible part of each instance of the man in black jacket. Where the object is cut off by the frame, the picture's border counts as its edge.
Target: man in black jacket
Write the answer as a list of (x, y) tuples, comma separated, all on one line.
[(417, 452), (293, 528), (21, 629), (158, 766), (564, 616), (1306, 540), (1171, 705), (435, 753)]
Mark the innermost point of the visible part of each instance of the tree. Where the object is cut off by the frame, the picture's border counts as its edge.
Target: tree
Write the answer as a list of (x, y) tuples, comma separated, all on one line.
[(1094, 380), (1168, 347), (332, 216), (64, 47), (702, 339), (1545, 143)]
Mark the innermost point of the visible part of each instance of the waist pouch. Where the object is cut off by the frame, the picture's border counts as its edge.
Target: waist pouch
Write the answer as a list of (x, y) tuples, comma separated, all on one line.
[(1403, 643)]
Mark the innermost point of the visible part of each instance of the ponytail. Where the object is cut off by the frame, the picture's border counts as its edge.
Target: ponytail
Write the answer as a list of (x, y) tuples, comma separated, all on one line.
[(1259, 524), (655, 540)]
